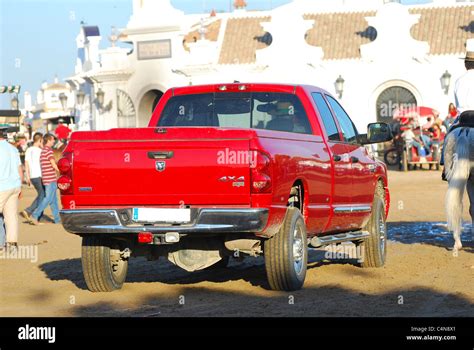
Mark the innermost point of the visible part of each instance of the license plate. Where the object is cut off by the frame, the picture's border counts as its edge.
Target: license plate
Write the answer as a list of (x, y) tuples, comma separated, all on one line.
[(161, 215)]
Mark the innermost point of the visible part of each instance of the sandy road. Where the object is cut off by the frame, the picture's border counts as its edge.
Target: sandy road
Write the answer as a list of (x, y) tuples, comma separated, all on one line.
[(421, 277)]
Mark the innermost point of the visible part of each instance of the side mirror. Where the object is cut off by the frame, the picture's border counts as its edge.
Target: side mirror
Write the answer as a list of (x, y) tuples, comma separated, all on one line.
[(376, 133)]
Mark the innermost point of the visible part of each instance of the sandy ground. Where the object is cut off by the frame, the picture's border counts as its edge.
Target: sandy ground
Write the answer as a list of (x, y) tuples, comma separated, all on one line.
[(421, 277)]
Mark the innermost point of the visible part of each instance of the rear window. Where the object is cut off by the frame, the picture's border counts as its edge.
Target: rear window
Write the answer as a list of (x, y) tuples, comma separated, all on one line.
[(271, 111)]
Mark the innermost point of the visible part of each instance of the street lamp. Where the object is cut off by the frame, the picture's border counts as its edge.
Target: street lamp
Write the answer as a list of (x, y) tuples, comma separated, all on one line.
[(339, 86), (14, 103), (80, 96), (446, 82), (100, 95), (63, 100)]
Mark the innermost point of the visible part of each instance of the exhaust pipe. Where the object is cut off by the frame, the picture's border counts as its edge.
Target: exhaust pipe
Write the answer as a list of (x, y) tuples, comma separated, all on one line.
[(247, 246)]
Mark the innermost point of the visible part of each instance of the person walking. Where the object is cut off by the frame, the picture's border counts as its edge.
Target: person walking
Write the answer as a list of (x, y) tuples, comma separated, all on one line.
[(11, 178), (49, 170), (33, 174)]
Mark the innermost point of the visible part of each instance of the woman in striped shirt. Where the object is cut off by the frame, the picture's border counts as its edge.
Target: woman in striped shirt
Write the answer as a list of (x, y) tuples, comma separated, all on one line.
[(49, 171)]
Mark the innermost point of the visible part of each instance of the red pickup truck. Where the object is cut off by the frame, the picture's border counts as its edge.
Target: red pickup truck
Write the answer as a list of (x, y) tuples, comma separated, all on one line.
[(226, 170)]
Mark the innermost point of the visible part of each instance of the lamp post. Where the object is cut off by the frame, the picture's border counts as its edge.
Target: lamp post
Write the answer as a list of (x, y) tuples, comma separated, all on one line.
[(15, 103), (446, 81), (339, 84), (100, 95), (80, 96), (63, 100)]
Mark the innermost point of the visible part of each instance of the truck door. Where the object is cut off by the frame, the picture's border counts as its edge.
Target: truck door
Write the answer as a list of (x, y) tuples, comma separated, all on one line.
[(361, 166), (341, 196)]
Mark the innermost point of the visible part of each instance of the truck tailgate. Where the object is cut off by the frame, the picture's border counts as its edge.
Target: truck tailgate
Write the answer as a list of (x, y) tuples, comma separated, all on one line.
[(179, 168)]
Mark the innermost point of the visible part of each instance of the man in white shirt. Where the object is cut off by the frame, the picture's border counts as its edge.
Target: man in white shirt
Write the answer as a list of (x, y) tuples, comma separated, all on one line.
[(464, 87), (463, 96), (33, 173)]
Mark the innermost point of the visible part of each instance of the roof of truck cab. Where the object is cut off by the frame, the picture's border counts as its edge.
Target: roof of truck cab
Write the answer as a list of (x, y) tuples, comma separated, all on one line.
[(235, 87)]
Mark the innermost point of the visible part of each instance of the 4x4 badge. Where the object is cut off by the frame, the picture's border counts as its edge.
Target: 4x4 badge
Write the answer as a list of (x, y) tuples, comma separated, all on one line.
[(160, 166)]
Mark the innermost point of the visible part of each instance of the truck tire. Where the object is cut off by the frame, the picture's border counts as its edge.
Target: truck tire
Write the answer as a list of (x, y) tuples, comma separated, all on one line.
[(286, 254), (375, 247), (103, 268)]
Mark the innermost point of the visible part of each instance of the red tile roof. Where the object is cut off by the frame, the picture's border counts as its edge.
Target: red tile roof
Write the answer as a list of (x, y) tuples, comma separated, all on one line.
[(212, 33), (340, 35), (240, 4), (446, 29), (242, 39)]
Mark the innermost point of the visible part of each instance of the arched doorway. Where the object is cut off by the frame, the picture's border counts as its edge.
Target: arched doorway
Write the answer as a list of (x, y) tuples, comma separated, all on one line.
[(392, 99), (147, 106)]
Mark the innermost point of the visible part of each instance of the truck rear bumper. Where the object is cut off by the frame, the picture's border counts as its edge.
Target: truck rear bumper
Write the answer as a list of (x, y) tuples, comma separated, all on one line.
[(204, 220)]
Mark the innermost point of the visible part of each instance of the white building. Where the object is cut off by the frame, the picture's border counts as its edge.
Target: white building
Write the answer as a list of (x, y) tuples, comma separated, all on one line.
[(385, 53), (48, 105)]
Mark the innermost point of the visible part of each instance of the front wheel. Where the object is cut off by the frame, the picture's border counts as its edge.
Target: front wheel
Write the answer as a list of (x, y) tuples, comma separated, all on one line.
[(104, 264), (375, 247), (286, 254)]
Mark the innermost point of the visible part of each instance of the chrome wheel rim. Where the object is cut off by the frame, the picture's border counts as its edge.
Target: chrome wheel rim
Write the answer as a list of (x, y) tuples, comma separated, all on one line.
[(117, 264), (382, 234), (298, 250)]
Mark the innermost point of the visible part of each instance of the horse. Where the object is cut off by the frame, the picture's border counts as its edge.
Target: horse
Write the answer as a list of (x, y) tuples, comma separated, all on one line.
[(459, 171)]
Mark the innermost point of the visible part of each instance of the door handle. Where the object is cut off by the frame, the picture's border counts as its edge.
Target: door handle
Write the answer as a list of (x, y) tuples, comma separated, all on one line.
[(161, 155), (354, 160), (337, 158)]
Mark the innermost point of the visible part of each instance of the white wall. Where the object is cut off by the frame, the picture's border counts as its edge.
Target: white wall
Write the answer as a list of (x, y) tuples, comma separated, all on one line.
[(380, 67)]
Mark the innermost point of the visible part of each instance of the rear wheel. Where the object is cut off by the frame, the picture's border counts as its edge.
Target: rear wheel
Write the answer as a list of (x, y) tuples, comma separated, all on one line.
[(286, 254), (104, 264), (375, 247)]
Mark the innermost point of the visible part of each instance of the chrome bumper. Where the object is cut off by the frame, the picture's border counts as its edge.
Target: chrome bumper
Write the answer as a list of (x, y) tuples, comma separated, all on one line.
[(203, 220)]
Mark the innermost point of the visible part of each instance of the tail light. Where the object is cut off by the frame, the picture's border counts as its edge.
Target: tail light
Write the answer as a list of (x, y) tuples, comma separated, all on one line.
[(64, 183), (64, 165), (65, 169), (145, 237), (261, 181)]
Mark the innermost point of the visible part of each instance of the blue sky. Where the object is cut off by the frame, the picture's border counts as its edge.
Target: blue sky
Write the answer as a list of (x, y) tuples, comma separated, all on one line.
[(37, 37)]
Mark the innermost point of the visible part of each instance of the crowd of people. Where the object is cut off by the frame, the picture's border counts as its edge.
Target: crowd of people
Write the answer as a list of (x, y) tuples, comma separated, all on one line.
[(424, 138), (37, 169)]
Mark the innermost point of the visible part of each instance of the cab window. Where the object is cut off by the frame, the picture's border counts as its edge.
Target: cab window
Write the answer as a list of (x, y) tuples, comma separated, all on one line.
[(327, 118), (349, 130)]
